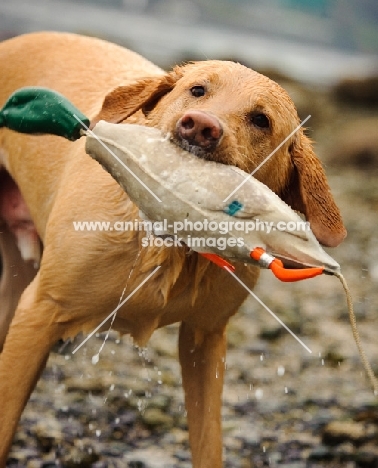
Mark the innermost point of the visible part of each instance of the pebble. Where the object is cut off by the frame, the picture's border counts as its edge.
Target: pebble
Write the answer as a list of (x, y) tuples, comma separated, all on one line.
[(21, 455), (152, 457), (250, 440), (271, 333), (48, 432), (161, 402), (85, 384), (367, 457), (155, 418), (320, 453), (336, 432), (80, 458)]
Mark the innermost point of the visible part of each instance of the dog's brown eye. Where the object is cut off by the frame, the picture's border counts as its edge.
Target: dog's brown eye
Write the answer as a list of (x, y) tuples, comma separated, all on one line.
[(260, 120), (197, 91)]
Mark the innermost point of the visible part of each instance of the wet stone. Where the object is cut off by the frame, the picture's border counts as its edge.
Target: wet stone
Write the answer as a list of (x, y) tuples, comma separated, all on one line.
[(320, 453), (345, 451), (93, 385), (155, 418), (51, 464), (232, 461), (80, 458), (161, 402), (367, 457), (118, 429), (75, 409), (257, 348), (34, 464), (150, 458), (271, 333), (21, 455), (137, 464), (48, 433), (73, 429), (250, 440), (115, 450), (100, 464), (367, 412), (320, 419), (182, 455), (340, 431), (334, 357), (298, 464)]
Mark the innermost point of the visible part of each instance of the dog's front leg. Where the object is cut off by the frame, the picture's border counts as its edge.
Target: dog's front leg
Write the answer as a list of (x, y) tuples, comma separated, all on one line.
[(32, 333), (202, 358)]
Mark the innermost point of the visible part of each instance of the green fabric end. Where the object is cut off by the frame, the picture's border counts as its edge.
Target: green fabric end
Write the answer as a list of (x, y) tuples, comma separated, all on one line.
[(42, 111)]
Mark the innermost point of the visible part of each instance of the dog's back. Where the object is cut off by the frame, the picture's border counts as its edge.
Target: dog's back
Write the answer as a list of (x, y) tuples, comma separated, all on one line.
[(49, 60)]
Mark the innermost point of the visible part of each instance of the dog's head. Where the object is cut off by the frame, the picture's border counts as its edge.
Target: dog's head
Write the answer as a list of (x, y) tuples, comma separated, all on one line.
[(228, 113)]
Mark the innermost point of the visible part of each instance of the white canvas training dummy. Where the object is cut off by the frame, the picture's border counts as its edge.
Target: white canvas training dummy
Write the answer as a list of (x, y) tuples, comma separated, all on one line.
[(168, 183)]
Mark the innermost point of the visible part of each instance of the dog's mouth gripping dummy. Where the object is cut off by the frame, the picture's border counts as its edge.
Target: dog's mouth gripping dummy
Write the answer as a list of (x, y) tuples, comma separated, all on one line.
[(179, 191)]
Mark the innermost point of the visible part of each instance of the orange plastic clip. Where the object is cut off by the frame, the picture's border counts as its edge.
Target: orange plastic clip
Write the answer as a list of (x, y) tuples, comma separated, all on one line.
[(283, 274), (221, 262)]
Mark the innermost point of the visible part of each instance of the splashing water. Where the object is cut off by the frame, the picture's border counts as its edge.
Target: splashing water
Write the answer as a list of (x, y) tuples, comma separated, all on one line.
[(96, 357)]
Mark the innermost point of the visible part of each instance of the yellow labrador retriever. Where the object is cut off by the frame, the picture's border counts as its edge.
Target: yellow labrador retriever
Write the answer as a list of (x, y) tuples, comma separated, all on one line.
[(218, 110)]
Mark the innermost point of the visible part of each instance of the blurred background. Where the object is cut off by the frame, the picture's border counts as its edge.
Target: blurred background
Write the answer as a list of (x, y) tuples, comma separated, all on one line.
[(314, 40), (283, 407)]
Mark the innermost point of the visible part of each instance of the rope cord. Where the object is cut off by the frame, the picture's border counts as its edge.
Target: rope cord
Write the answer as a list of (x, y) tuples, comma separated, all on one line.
[(356, 335)]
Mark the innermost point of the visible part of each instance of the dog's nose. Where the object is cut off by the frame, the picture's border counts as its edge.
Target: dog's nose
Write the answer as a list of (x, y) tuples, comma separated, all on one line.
[(200, 129)]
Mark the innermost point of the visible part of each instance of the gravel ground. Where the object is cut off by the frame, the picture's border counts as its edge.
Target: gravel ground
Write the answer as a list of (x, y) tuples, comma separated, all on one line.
[(283, 407)]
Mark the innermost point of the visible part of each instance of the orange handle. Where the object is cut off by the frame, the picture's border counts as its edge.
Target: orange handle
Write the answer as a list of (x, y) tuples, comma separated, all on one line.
[(283, 274), (221, 262)]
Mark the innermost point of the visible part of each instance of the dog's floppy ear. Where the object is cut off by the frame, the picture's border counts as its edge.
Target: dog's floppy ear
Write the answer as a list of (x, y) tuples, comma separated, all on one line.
[(144, 94), (308, 192)]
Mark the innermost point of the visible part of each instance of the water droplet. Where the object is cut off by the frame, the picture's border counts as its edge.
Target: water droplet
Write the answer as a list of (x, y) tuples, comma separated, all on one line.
[(128, 393), (95, 359)]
